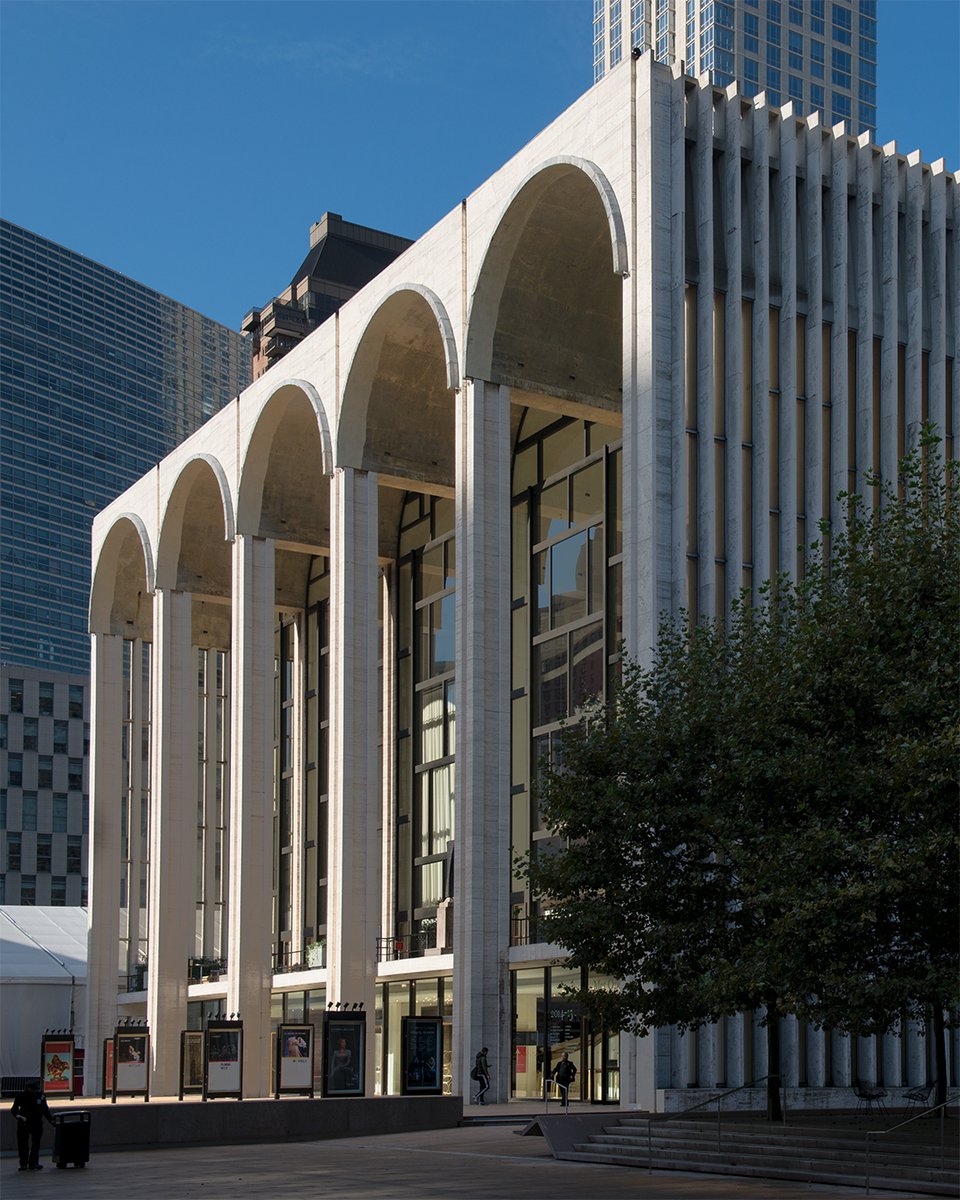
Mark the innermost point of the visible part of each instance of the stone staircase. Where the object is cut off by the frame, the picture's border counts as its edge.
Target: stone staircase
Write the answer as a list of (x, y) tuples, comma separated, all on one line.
[(805, 1150)]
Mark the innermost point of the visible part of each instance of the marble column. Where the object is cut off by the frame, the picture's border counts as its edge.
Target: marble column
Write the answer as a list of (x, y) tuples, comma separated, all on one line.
[(173, 833), (250, 930), (106, 799), (353, 912), (481, 1005)]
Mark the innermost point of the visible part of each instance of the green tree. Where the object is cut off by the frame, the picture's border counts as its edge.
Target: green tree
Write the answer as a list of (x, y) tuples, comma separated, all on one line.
[(766, 818)]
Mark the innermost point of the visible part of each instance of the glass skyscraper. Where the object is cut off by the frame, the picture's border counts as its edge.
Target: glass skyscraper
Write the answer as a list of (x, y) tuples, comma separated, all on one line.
[(819, 54), (100, 377)]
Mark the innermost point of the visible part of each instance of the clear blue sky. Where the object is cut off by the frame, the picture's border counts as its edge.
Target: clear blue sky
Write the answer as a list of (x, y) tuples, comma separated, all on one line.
[(190, 143)]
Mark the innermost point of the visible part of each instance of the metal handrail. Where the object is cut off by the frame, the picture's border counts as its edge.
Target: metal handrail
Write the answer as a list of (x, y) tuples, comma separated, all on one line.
[(941, 1108), (663, 1118)]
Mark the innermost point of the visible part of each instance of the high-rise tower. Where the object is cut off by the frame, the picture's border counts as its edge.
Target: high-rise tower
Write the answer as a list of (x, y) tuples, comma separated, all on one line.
[(100, 377), (820, 54)]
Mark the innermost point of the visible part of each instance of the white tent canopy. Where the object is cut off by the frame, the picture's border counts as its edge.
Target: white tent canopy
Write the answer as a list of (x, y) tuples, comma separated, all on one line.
[(43, 976)]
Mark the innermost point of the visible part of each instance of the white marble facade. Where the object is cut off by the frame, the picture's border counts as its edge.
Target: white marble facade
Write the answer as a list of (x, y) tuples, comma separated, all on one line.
[(765, 307)]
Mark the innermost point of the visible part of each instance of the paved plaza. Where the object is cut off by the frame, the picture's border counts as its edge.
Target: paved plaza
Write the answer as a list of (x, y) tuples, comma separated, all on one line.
[(476, 1163)]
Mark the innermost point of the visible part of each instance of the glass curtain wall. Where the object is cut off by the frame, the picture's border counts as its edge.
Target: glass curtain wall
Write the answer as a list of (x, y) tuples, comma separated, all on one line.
[(567, 609), (429, 997), (548, 1022), (135, 810), (284, 770), (316, 733), (213, 739), (426, 717)]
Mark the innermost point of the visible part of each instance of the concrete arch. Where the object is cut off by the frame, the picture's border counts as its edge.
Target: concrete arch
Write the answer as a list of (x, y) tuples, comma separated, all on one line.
[(196, 529), (283, 490), (546, 311), (396, 417), (121, 596), (323, 423)]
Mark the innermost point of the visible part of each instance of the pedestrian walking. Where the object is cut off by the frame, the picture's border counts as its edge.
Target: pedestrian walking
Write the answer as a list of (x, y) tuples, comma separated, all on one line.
[(481, 1075), (30, 1108), (564, 1073)]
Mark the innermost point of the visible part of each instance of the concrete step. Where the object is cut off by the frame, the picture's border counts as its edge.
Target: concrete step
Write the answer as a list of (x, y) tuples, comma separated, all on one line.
[(770, 1171), (843, 1140), (928, 1169), (822, 1149), (811, 1153)]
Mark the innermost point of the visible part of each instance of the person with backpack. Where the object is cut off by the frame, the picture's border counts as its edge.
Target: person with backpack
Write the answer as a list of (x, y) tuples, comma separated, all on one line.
[(481, 1075), (564, 1073)]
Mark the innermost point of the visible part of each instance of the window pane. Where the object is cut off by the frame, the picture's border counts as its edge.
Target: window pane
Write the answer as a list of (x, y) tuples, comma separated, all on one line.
[(553, 511), (569, 579), (429, 887), (443, 634), (423, 814), (431, 572), (597, 564), (451, 717), (521, 552), (615, 485), (431, 724), (563, 448), (550, 680), (587, 675), (29, 811), (541, 579), (442, 814), (588, 494)]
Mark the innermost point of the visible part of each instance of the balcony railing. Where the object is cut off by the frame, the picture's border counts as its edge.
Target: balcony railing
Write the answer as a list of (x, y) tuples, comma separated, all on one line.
[(205, 970), (524, 930), (137, 981), (311, 958), (407, 945)]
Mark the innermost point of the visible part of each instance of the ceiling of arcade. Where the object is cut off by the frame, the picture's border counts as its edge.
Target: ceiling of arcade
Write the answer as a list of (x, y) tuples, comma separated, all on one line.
[(401, 373), (558, 333), (120, 602)]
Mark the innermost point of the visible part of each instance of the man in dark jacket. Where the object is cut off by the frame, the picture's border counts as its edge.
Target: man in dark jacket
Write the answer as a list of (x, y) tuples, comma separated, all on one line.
[(564, 1074), (30, 1108)]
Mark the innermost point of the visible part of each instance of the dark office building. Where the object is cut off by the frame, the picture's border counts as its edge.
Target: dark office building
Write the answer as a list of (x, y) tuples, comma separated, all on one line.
[(100, 377), (343, 258)]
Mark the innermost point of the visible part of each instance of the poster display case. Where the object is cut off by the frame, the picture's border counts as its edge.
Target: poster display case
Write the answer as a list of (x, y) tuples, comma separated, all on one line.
[(421, 1056), (344, 1053), (56, 1065), (223, 1059), (295, 1054), (131, 1062)]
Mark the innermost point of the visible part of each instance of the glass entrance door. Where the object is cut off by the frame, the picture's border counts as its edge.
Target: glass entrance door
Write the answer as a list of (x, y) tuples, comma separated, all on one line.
[(603, 1050)]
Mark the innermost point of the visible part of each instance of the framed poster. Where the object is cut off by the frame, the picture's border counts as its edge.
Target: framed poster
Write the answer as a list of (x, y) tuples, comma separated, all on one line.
[(344, 1047), (421, 1055), (131, 1063), (106, 1083), (294, 1059), (56, 1069), (223, 1059), (191, 1061)]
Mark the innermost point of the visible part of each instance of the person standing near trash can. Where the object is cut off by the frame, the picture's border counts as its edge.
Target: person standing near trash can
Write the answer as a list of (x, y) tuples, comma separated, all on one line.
[(564, 1073), (30, 1108), (481, 1075)]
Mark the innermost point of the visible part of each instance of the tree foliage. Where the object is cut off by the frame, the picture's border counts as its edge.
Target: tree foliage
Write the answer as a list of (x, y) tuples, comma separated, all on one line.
[(767, 817)]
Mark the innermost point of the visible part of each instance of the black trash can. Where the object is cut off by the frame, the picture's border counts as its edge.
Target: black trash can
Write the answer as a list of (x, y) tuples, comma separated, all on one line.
[(71, 1138)]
